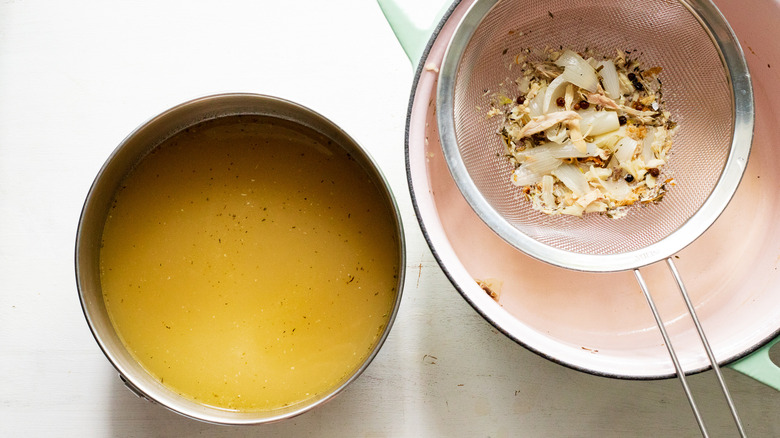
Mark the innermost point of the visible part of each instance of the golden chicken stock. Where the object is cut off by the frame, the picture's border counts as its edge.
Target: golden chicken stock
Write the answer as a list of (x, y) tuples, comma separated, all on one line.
[(249, 264)]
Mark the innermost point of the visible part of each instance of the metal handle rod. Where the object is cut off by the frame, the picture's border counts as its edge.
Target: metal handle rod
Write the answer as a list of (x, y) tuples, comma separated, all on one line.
[(668, 342), (706, 344)]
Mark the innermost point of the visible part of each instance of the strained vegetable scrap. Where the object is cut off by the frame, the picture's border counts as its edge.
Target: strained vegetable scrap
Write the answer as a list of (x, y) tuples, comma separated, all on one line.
[(585, 134)]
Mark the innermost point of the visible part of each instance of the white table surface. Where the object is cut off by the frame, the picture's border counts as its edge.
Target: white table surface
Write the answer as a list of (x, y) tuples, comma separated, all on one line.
[(76, 77)]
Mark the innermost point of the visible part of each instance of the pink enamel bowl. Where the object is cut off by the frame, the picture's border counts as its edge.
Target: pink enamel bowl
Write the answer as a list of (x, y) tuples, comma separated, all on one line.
[(600, 323)]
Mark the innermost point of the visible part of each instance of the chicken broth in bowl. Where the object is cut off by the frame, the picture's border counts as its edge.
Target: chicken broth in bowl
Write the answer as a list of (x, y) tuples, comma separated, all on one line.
[(249, 263)]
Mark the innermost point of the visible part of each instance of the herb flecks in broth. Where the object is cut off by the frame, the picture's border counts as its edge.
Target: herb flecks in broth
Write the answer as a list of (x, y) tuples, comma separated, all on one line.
[(249, 265)]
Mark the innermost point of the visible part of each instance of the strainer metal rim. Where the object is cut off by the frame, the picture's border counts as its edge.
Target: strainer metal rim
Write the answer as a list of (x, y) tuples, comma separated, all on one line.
[(739, 79)]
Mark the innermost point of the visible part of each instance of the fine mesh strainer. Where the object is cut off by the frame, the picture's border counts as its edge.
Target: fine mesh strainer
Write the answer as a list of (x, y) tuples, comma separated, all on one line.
[(707, 90)]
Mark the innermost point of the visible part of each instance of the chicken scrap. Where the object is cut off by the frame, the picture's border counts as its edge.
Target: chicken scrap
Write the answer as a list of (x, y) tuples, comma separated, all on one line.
[(546, 121)]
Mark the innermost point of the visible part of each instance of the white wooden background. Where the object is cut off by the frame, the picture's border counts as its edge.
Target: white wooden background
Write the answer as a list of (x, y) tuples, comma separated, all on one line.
[(78, 76)]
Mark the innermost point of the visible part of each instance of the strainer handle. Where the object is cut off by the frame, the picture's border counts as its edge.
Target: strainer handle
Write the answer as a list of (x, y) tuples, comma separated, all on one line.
[(710, 355), (705, 343), (672, 354)]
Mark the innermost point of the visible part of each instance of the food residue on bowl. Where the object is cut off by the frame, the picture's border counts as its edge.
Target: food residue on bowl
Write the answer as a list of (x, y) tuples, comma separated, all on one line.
[(586, 135), (491, 286)]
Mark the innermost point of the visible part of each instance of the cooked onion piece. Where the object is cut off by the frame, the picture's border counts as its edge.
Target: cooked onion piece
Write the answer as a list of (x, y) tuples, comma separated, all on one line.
[(599, 122), (577, 70), (609, 78)]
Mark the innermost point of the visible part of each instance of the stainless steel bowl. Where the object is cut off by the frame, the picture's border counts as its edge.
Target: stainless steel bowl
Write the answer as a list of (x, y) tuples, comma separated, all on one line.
[(88, 239)]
